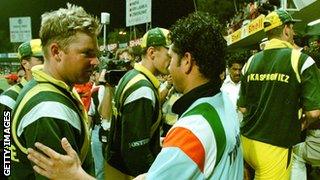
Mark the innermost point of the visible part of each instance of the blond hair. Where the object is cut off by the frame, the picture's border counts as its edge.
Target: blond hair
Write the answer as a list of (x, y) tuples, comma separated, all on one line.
[(61, 25)]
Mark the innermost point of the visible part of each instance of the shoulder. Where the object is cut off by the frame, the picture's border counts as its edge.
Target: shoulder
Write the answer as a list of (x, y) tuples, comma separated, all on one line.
[(41, 102), (8, 97), (136, 87)]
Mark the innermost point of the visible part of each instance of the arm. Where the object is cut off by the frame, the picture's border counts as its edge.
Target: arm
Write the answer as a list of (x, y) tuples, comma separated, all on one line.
[(105, 106), (136, 122), (164, 93), (49, 131), (105, 97), (241, 103), (57, 166), (310, 81), (91, 113), (181, 157)]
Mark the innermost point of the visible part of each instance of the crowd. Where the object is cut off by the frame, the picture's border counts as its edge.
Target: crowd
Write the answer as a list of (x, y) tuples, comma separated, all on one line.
[(248, 11), (186, 108)]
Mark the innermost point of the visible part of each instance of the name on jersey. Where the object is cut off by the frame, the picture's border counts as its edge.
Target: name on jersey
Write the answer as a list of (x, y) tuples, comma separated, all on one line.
[(268, 77)]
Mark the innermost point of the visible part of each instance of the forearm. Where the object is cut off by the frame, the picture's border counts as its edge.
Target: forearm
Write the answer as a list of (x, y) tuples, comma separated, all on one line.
[(164, 93), (105, 107)]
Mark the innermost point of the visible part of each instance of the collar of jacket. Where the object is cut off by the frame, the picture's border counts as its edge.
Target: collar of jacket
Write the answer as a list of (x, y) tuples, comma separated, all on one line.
[(146, 72), (277, 43), (205, 90), (40, 76)]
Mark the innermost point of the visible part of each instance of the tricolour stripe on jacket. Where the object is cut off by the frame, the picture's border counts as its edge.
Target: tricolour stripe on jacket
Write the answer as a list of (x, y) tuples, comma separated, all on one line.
[(201, 147), (189, 143)]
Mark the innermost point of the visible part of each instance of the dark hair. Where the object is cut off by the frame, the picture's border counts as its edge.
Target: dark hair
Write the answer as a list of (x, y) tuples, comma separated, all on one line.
[(200, 35), (238, 58)]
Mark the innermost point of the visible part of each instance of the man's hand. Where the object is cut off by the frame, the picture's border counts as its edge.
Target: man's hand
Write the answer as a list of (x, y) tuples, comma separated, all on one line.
[(57, 166)]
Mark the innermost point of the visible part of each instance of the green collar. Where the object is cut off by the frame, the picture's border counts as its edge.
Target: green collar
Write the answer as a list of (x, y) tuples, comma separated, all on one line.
[(146, 72), (277, 43), (40, 76)]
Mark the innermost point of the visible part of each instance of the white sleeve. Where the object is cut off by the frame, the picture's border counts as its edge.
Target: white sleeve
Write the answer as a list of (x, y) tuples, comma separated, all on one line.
[(172, 162), (101, 93), (92, 109)]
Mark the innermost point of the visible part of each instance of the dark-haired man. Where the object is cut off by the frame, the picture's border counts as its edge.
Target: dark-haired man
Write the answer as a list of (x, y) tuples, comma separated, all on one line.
[(231, 85), (204, 143), (276, 83)]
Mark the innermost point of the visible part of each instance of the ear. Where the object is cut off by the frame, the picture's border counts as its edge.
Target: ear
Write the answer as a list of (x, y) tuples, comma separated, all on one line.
[(286, 30), (150, 52), (187, 62), (25, 64), (55, 51)]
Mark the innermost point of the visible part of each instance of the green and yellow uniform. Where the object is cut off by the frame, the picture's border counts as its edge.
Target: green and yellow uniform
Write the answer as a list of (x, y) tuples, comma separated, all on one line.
[(134, 135), (46, 111), (276, 83), (8, 100)]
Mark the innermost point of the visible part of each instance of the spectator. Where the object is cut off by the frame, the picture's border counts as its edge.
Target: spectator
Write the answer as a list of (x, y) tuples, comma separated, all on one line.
[(84, 91), (12, 79), (231, 84)]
